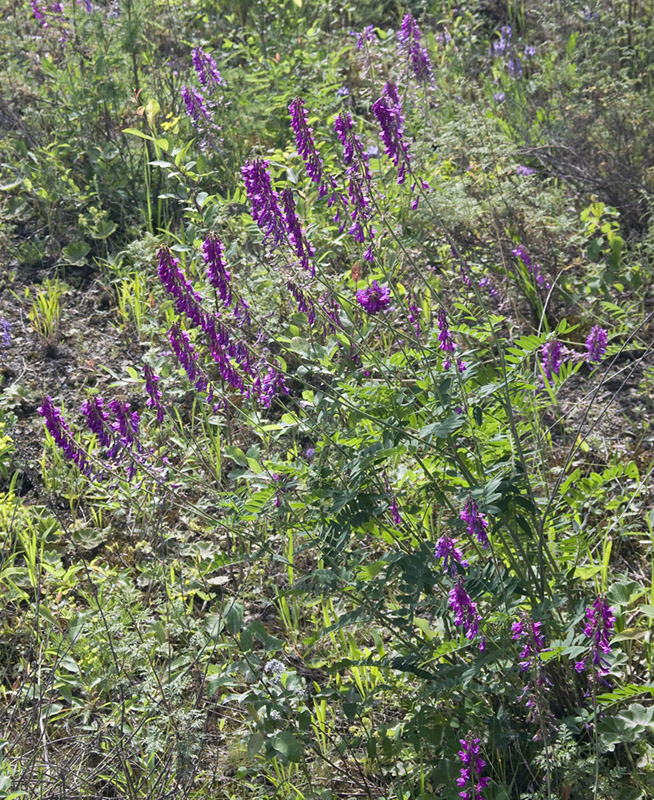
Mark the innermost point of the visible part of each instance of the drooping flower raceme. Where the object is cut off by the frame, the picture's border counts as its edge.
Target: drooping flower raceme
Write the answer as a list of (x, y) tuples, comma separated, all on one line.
[(599, 624), (217, 273), (452, 556), (552, 357), (522, 253), (303, 249), (465, 611), (476, 521), (62, 435), (388, 111), (375, 298), (306, 146), (206, 70), (596, 344), (446, 341), (529, 633), (153, 392), (470, 779), (265, 201), (409, 43)]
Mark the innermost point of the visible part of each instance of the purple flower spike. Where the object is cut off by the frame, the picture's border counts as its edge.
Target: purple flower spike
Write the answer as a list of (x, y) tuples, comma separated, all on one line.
[(388, 111), (186, 355), (476, 521), (217, 273), (452, 556), (305, 144), (375, 298), (196, 108), (153, 392), (272, 385), (596, 344), (599, 624), (96, 419), (62, 435), (206, 70), (528, 631), (265, 201), (465, 611), (552, 358), (409, 43), (302, 247), (471, 781)]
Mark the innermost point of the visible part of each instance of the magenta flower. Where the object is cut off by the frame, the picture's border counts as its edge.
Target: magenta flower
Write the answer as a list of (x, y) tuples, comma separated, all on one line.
[(196, 108), (306, 146), (272, 385), (476, 521), (153, 392), (452, 556), (552, 357), (62, 435), (265, 201), (471, 781), (596, 344), (206, 70), (599, 624), (465, 611), (529, 633), (388, 111), (302, 247), (96, 419), (217, 273), (409, 43), (375, 298), (186, 355)]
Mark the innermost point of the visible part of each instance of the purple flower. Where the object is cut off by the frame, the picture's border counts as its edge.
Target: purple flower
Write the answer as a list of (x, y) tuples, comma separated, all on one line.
[(332, 311), (388, 111), (470, 779), (304, 303), (273, 384), (206, 70), (309, 453), (125, 428), (305, 145), (187, 300), (409, 44), (265, 201), (217, 272), (375, 298), (196, 107), (62, 435), (96, 419), (5, 336), (367, 35), (476, 521), (302, 247), (452, 556), (499, 97), (446, 341), (596, 344), (186, 355), (522, 170), (599, 624), (153, 392), (515, 68), (533, 643), (552, 357), (465, 611), (522, 253), (354, 155), (414, 312), (530, 51)]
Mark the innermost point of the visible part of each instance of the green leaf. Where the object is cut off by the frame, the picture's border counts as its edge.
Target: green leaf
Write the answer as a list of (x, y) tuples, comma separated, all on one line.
[(288, 746), (234, 618), (255, 743), (75, 253)]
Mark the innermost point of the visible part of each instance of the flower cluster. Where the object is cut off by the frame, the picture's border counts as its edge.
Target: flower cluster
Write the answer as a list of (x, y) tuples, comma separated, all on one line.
[(366, 35), (153, 392), (375, 298), (596, 344), (388, 111), (528, 631), (306, 146), (470, 780), (266, 211), (62, 435), (476, 521), (207, 70), (217, 273), (452, 556), (522, 253), (599, 624), (5, 336), (273, 384), (446, 341), (409, 43), (552, 357), (465, 611), (303, 249)]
